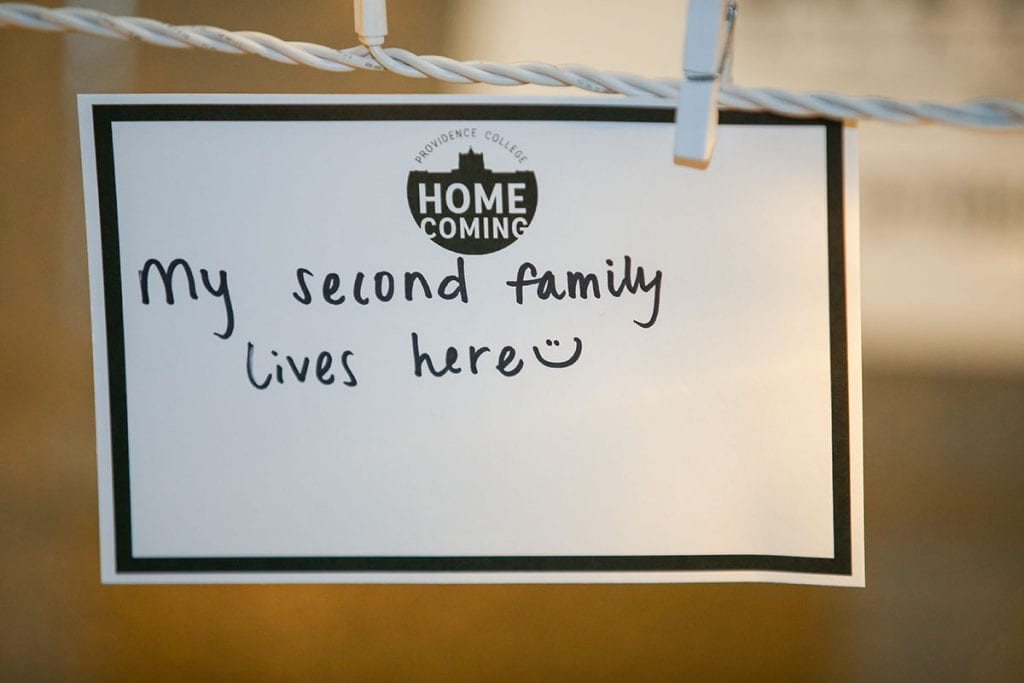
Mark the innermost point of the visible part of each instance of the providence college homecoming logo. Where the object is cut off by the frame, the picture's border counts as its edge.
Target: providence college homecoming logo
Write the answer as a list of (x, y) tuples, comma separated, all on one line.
[(472, 209)]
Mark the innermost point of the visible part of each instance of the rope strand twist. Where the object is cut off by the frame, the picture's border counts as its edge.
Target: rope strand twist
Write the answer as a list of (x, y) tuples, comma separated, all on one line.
[(987, 113)]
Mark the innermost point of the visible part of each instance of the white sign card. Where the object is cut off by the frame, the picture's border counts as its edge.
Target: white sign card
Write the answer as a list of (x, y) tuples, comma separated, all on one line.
[(422, 339)]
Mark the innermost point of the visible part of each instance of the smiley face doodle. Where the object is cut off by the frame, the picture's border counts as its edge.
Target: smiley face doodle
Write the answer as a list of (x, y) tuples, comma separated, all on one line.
[(559, 364)]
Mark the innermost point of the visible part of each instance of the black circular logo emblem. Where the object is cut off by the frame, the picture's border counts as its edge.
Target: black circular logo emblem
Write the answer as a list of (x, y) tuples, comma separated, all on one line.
[(472, 209)]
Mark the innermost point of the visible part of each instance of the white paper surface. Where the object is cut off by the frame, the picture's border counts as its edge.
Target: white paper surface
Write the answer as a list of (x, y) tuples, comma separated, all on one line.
[(703, 447)]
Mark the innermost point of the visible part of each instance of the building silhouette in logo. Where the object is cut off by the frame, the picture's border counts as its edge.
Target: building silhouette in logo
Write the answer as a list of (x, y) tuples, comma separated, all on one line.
[(472, 209), (471, 169)]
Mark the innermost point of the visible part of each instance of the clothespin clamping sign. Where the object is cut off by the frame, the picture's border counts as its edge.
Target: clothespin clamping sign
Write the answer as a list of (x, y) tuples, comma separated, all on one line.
[(707, 58)]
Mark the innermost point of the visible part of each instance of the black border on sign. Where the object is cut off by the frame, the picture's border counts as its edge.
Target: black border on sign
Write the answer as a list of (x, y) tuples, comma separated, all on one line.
[(126, 562)]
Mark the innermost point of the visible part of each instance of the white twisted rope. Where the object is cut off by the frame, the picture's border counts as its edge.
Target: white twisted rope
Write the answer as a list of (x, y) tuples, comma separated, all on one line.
[(989, 114)]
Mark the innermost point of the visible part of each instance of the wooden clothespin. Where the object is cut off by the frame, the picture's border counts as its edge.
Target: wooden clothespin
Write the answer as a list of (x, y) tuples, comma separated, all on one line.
[(371, 21), (707, 59)]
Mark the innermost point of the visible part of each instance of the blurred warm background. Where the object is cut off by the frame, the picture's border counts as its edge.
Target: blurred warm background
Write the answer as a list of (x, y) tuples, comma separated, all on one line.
[(943, 306)]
